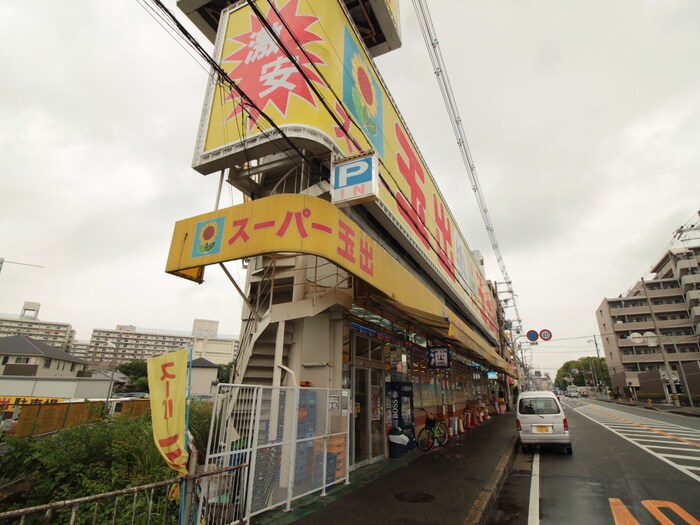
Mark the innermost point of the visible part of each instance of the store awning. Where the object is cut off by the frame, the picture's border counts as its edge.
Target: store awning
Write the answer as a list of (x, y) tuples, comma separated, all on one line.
[(451, 328)]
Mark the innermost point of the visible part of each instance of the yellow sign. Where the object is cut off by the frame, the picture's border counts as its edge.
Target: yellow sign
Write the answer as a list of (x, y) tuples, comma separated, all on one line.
[(306, 224), (29, 400), (167, 381), (354, 114)]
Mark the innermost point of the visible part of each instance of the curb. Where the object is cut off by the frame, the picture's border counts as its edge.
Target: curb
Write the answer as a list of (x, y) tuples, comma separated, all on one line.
[(487, 497)]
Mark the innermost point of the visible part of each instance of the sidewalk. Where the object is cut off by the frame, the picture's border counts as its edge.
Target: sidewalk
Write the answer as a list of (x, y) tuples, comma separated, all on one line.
[(456, 484)]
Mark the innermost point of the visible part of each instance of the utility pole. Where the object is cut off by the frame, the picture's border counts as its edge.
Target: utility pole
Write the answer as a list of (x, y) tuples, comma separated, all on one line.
[(3, 261), (600, 365), (669, 376)]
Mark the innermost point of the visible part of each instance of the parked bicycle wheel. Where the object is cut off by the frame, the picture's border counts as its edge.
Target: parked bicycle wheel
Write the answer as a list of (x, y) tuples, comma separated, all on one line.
[(441, 433), (425, 439)]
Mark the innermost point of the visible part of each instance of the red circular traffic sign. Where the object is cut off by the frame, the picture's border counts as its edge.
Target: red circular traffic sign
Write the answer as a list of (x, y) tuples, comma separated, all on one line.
[(546, 335)]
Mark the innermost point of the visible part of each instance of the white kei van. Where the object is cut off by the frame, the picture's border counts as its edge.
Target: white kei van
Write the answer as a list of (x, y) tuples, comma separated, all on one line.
[(541, 420)]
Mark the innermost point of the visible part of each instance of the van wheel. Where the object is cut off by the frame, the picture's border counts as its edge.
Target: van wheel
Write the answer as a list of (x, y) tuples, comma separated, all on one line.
[(524, 448), (569, 450)]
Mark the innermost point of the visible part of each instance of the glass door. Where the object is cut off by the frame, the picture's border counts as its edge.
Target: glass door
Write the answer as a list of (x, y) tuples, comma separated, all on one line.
[(378, 438), (361, 414)]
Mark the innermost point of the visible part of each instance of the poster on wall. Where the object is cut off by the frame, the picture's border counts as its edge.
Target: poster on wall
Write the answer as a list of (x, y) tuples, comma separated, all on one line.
[(376, 405)]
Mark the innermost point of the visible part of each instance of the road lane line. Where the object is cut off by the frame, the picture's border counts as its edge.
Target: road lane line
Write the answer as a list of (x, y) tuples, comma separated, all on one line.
[(685, 470), (533, 517), (667, 434), (674, 448), (692, 458)]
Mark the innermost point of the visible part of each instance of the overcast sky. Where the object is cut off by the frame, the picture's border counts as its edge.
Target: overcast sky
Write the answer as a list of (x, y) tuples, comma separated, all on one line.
[(583, 119)]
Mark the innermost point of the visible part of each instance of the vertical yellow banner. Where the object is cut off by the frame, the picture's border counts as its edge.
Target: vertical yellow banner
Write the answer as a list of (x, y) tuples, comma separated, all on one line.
[(167, 380)]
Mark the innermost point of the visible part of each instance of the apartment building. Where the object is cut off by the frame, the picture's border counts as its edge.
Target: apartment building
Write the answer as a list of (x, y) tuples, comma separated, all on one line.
[(128, 343), (659, 315), (55, 334)]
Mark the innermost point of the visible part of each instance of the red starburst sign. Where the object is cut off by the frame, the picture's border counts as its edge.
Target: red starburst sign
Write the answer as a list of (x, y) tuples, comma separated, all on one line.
[(262, 70)]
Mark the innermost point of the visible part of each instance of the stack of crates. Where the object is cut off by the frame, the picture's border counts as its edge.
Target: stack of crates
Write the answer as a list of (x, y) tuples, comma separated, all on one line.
[(307, 414), (304, 462), (336, 446)]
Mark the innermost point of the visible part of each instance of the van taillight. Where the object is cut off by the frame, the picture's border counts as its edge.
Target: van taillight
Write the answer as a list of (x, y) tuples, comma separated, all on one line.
[(566, 424), (517, 424)]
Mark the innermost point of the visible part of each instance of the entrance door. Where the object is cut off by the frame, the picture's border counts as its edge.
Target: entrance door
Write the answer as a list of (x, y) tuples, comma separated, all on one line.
[(361, 417), (369, 416), (377, 423)]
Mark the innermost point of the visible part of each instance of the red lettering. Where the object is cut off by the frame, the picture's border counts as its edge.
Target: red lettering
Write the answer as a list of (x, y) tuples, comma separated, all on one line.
[(346, 235), (444, 238), (413, 212), (168, 408), (366, 257), (344, 131), (299, 220), (240, 233), (165, 373)]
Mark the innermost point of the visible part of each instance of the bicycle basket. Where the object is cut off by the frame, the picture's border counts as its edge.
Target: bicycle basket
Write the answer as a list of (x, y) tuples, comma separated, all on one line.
[(430, 422)]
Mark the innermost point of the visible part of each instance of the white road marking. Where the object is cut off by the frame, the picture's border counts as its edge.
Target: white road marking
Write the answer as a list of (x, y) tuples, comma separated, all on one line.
[(603, 416), (533, 517)]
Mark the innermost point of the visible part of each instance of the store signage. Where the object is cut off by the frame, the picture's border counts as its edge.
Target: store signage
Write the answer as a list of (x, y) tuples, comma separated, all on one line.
[(355, 181), (363, 117), (439, 357)]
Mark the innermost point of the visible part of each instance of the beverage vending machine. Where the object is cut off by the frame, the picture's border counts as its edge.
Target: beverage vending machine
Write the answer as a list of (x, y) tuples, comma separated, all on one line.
[(401, 407)]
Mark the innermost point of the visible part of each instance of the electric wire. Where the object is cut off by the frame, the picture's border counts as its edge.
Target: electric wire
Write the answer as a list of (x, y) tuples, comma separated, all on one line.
[(474, 293), (224, 78), (440, 69)]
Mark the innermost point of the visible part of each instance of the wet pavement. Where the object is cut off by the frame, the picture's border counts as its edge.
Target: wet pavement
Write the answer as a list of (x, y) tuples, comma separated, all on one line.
[(455, 484)]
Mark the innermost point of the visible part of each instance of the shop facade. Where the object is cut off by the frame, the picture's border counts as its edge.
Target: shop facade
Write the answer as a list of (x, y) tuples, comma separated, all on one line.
[(358, 276)]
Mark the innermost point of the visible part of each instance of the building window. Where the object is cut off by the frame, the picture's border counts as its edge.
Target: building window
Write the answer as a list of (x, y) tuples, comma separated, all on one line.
[(47, 363), (21, 360)]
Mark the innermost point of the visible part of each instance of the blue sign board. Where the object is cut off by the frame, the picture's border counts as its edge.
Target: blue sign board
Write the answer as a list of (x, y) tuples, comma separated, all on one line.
[(355, 181)]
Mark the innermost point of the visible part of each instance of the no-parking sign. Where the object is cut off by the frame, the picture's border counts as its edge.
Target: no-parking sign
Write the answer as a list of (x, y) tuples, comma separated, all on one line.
[(532, 335)]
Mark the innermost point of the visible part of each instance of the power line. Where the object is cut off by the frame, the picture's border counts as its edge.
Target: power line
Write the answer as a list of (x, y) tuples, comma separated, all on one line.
[(440, 70), (223, 77)]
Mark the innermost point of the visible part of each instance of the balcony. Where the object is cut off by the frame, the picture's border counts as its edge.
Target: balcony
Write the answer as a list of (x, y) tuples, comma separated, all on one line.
[(629, 310), (663, 292), (672, 323), (692, 298), (686, 267), (634, 326), (666, 308), (694, 315), (690, 282)]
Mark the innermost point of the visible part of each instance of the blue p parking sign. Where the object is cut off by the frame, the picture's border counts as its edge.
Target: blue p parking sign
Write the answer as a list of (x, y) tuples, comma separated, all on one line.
[(355, 181)]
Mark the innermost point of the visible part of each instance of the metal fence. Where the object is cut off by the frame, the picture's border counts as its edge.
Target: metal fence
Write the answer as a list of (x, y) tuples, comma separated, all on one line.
[(153, 504), (295, 440)]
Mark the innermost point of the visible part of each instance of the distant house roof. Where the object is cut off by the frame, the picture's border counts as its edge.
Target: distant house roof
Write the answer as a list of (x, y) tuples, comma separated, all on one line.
[(107, 374), (200, 362), (26, 346)]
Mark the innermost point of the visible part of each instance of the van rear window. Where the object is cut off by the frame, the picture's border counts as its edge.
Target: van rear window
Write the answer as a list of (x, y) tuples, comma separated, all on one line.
[(538, 405)]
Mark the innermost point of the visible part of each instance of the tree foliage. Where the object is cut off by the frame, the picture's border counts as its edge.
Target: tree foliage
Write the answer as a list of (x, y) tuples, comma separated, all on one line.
[(580, 372), (134, 369), (224, 373), (91, 459)]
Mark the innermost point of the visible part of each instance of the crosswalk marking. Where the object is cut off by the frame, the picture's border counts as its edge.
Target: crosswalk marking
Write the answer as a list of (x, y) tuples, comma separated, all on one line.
[(673, 444)]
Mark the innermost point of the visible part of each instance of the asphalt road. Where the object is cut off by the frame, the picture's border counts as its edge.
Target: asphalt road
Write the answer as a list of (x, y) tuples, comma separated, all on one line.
[(628, 464)]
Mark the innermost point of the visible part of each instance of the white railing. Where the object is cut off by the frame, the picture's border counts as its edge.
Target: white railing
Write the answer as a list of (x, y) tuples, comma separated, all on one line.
[(295, 440)]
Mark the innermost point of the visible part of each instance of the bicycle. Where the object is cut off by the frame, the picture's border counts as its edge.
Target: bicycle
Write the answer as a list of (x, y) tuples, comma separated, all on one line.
[(434, 431)]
